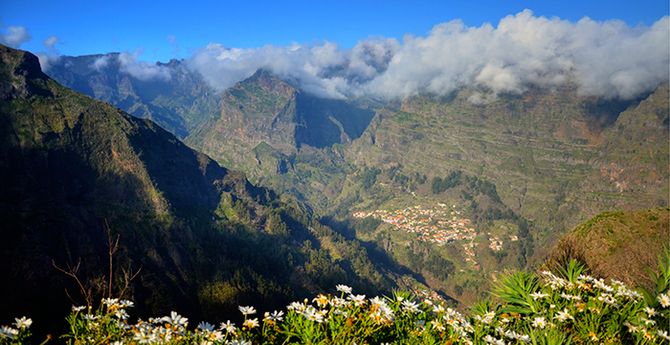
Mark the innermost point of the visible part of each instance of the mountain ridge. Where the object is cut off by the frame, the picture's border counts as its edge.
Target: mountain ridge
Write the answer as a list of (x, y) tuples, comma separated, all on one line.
[(79, 172), (174, 96), (551, 157)]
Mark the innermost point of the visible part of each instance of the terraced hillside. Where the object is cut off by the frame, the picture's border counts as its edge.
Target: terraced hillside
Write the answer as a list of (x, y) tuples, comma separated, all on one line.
[(539, 149)]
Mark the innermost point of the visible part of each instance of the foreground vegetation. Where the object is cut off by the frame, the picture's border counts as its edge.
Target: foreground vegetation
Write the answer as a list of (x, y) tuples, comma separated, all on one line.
[(560, 307)]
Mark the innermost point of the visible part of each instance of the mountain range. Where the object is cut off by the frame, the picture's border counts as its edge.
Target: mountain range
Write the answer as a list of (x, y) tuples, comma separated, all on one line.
[(549, 158), (83, 179), (426, 192)]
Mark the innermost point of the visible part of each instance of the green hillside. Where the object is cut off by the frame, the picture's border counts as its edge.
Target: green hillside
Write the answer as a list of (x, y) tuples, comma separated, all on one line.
[(622, 245), (79, 174)]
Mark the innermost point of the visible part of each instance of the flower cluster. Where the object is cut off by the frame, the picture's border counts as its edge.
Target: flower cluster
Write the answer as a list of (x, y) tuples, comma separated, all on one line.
[(16, 334), (556, 308)]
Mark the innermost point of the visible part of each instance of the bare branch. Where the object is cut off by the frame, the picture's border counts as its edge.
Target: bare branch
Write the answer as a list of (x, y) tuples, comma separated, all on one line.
[(71, 272)]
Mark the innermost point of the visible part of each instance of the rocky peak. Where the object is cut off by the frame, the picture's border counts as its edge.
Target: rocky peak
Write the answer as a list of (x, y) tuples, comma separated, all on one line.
[(20, 73), (265, 81)]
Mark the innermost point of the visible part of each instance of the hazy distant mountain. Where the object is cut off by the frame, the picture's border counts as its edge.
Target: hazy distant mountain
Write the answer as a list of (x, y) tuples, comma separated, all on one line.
[(206, 240), (171, 94)]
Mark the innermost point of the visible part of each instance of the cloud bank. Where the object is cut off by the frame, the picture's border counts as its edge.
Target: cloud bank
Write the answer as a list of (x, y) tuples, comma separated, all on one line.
[(606, 59), (15, 36), (128, 63), (141, 70)]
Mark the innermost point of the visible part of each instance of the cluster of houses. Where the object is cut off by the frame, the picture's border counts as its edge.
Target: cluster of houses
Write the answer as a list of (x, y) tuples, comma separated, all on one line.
[(439, 225), (495, 243)]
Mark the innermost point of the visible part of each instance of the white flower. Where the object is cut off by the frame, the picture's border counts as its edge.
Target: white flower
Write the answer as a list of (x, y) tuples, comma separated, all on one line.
[(23, 323), (343, 288), (664, 299), (648, 322), (554, 281), (338, 302), (600, 283), (539, 322), (121, 314), (663, 334), (250, 323), (145, 338), (247, 310), (438, 308), (438, 325), (311, 314), (214, 336), (228, 327), (571, 297), (491, 340), (297, 306), (78, 309), (380, 311), (275, 316), (410, 307), (110, 301), (359, 300), (514, 335), (650, 311), (124, 303), (238, 342), (563, 316), (8, 332), (175, 319), (538, 295), (90, 317), (608, 299), (486, 318)]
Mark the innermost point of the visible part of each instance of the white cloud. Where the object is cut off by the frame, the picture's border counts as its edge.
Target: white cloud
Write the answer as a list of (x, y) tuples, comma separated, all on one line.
[(101, 62), (606, 59), (47, 60), (308, 65), (50, 42), (140, 69), (51, 55), (15, 36)]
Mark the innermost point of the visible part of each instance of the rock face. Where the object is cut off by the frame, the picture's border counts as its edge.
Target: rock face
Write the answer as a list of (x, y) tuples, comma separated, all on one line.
[(77, 172), (171, 94), (260, 109), (266, 113)]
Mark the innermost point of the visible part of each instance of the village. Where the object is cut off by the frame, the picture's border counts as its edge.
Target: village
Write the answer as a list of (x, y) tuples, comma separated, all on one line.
[(439, 225)]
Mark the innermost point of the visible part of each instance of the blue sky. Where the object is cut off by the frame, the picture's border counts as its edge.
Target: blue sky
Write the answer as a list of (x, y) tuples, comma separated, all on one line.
[(163, 30)]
